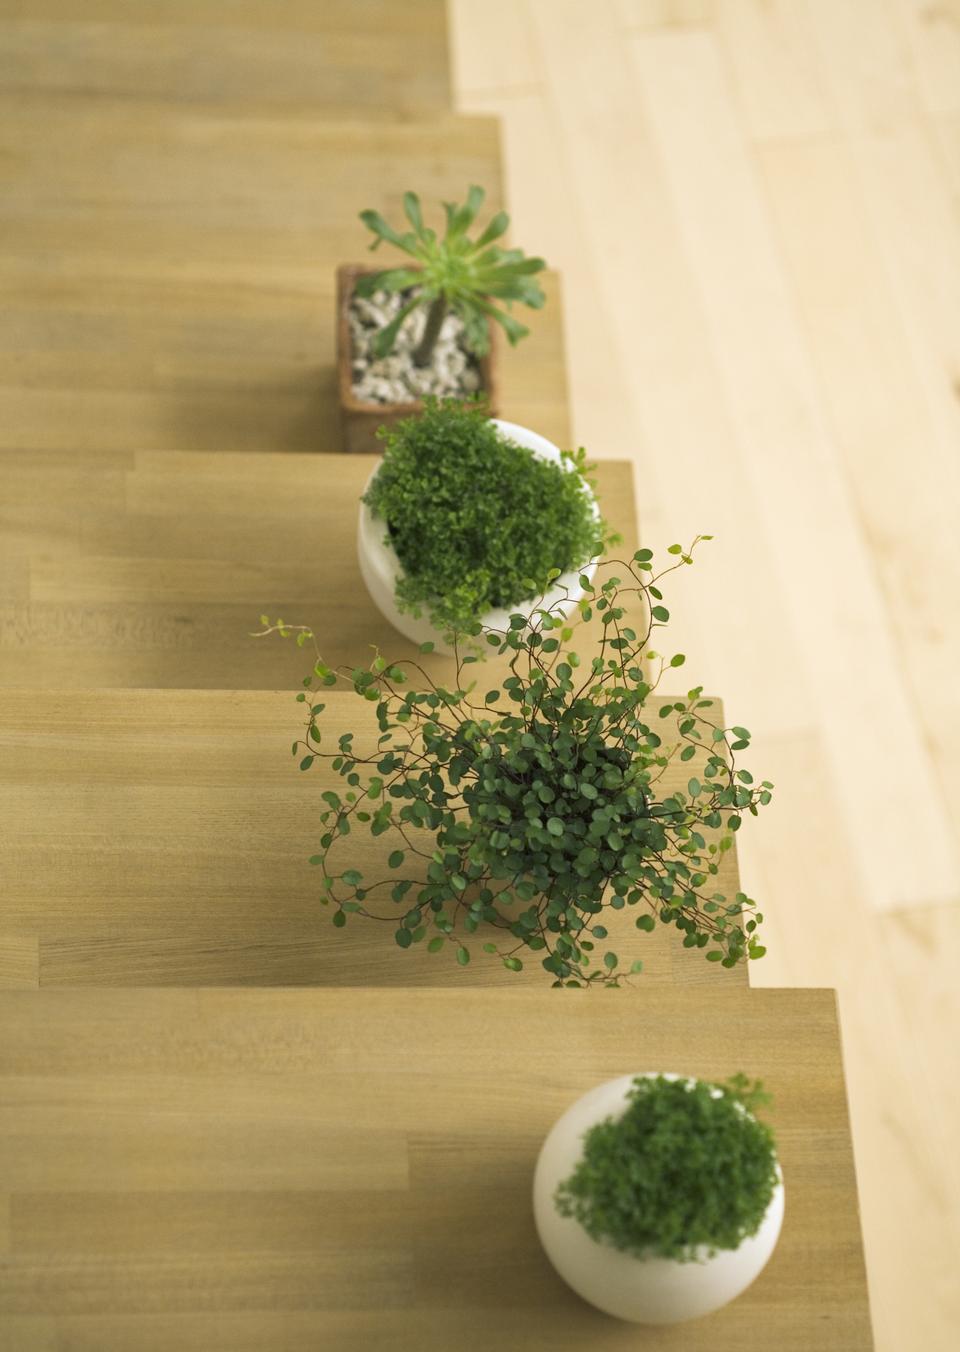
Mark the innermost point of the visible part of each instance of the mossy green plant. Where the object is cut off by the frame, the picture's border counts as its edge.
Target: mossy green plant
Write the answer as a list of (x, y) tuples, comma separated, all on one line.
[(476, 521), (686, 1169)]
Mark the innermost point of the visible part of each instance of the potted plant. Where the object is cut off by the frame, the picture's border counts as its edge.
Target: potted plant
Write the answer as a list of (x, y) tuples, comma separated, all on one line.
[(659, 1198), (464, 518), (424, 327), (525, 812)]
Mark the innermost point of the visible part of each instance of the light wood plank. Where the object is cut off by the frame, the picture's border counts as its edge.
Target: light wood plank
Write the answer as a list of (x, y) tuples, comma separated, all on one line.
[(540, 203), (930, 31), (946, 139), (899, 1029), (162, 837), (610, 201), (887, 440), (900, 175), (38, 1333), (664, 13), (655, 394), (922, 949), (168, 274), (185, 1155), (778, 419), (500, 50), (367, 57), (439, 1257), (168, 590), (19, 962), (776, 80), (533, 377)]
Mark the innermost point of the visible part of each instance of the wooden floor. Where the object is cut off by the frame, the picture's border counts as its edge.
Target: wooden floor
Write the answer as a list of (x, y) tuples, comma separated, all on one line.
[(755, 205)]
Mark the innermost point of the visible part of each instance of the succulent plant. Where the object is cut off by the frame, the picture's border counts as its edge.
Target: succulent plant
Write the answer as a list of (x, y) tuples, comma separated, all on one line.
[(452, 273)]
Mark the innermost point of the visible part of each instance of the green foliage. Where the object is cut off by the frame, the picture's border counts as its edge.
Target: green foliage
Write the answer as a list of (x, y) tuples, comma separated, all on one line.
[(453, 272), (686, 1167), (524, 811), (459, 499)]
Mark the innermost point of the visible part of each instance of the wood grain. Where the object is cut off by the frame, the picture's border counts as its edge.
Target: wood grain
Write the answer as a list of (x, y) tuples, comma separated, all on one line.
[(161, 837), (366, 57), (152, 569), (895, 977), (19, 961), (167, 272), (774, 402), (831, 130), (353, 1167), (832, 332)]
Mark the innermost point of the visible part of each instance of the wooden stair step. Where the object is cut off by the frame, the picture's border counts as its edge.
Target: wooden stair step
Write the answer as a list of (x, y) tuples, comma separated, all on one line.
[(168, 277), (276, 1171), (370, 58), (161, 837), (151, 569), (148, 568)]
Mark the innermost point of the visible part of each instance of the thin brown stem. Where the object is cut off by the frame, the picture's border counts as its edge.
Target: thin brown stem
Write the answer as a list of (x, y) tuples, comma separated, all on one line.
[(435, 317)]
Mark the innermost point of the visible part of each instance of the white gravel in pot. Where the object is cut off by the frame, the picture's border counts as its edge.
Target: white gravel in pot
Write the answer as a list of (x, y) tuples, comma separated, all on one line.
[(453, 370)]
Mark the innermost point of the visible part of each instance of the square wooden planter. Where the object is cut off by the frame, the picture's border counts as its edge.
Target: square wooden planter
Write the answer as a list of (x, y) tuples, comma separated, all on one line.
[(359, 420)]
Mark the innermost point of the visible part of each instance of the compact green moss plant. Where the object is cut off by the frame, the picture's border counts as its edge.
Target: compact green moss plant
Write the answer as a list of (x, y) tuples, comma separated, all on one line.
[(533, 808), (452, 273), (476, 521), (686, 1167)]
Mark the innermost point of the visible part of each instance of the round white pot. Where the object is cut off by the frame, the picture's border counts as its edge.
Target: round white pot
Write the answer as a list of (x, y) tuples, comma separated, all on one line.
[(380, 567), (645, 1290)]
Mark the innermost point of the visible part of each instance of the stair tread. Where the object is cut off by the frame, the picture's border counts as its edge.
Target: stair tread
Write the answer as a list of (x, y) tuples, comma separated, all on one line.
[(169, 276), (151, 569), (375, 58), (160, 837)]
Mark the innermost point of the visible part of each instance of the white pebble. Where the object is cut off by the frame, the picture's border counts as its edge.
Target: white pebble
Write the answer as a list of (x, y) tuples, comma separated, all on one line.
[(395, 378)]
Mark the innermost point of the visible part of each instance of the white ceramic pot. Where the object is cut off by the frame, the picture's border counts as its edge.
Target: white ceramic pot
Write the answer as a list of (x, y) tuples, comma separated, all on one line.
[(645, 1290), (380, 567)]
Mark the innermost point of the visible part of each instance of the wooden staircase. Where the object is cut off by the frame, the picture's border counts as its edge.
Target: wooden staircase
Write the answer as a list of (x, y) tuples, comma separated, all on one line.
[(179, 182), (169, 427)]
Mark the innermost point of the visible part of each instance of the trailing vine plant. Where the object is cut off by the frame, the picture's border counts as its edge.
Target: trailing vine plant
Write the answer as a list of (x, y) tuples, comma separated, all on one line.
[(521, 813)]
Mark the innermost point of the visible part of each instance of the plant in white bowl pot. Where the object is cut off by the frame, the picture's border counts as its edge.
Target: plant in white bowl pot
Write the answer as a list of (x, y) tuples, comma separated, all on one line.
[(468, 519), (658, 1198)]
